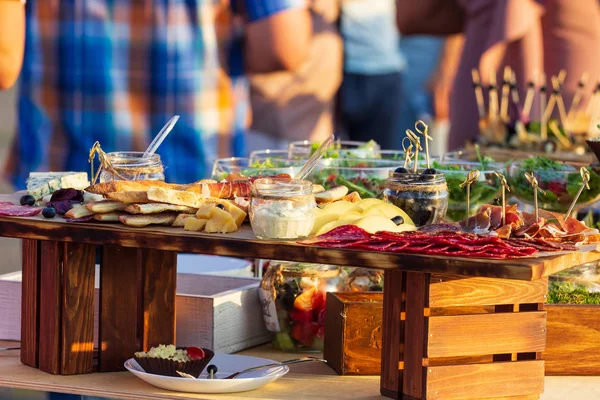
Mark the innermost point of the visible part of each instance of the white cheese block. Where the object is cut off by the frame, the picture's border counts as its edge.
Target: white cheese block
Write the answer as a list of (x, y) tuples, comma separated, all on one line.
[(41, 184)]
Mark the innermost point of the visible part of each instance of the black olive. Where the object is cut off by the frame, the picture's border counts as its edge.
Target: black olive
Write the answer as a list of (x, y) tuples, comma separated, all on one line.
[(288, 294), (221, 206), (401, 170), (212, 369), (49, 212), (430, 171), (376, 288), (398, 220), (27, 200)]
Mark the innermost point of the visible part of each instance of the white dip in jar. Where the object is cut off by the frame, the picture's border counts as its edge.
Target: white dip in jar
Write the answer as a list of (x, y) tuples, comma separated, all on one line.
[(282, 208)]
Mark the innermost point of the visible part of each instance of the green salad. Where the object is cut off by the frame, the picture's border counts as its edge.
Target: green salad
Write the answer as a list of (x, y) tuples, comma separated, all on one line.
[(366, 150), (267, 167), (483, 191), (561, 182), (570, 293)]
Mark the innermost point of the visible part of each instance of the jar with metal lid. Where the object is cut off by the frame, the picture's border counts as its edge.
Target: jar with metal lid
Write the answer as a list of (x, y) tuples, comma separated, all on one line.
[(424, 197), (282, 208), (131, 165), (293, 303)]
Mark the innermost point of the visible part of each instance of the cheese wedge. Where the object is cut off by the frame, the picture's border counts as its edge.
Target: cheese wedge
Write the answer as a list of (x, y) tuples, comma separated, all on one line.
[(195, 224), (220, 222), (105, 206), (78, 212), (205, 210), (180, 220)]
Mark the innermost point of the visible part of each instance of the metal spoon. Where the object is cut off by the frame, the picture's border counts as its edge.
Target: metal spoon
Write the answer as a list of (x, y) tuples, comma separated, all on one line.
[(288, 362), (166, 129)]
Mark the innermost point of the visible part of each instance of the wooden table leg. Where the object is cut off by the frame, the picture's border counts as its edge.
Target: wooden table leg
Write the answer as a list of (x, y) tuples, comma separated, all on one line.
[(66, 317), (392, 333), (466, 338), (120, 281), (30, 302)]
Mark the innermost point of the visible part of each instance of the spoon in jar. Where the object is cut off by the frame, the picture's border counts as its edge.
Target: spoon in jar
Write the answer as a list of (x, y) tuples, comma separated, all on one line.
[(279, 364), (314, 159), (166, 129)]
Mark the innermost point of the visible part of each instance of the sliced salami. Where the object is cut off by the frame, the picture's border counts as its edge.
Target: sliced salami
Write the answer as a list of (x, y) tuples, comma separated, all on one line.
[(8, 209)]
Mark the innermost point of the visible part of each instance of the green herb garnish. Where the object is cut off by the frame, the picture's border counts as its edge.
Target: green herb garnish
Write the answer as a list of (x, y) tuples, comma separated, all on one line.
[(570, 293)]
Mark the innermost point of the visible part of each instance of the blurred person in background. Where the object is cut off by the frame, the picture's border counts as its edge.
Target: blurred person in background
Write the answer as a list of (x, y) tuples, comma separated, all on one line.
[(299, 105), (527, 35), (116, 71), (371, 93), (12, 39)]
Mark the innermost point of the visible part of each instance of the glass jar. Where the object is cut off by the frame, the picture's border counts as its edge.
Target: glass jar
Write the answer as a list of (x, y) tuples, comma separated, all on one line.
[(282, 208), (293, 303), (424, 197), (132, 166)]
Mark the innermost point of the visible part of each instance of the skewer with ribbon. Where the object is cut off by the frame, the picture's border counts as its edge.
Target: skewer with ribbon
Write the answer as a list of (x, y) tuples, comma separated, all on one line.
[(585, 184), (416, 141), (505, 187), (426, 137), (534, 184), (408, 153), (472, 176), (528, 99)]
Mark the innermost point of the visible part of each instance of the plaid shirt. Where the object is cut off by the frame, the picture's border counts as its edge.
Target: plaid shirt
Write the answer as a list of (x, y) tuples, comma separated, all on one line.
[(116, 70)]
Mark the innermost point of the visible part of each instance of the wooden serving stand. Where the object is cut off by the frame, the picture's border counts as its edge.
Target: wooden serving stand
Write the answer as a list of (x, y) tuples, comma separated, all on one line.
[(453, 328)]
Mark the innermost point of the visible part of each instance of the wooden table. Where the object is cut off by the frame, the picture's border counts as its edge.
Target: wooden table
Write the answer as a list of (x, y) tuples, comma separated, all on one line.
[(454, 328)]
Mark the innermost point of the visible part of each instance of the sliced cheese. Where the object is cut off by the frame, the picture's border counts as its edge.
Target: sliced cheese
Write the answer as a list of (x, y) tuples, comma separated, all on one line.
[(41, 184)]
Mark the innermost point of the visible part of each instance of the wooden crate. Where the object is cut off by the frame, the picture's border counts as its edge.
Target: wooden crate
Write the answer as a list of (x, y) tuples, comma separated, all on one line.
[(221, 313), (353, 333)]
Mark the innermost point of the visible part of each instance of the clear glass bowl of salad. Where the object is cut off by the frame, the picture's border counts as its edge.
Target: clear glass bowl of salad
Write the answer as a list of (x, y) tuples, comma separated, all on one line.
[(368, 177), (270, 154), (239, 165), (485, 190), (340, 148), (560, 181)]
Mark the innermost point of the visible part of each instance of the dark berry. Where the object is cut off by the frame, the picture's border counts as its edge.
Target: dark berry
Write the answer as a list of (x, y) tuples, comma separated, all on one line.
[(211, 369), (221, 206), (27, 200), (398, 220), (401, 170), (49, 212), (430, 171), (375, 288)]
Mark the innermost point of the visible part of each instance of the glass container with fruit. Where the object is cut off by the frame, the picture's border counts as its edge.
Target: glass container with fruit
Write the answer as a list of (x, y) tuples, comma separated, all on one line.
[(423, 196), (293, 302)]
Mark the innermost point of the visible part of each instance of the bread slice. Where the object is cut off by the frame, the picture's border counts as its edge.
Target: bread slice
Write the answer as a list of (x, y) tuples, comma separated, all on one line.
[(105, 206), (353, 197), (129, 197), (156, 208), (78, 212), (141, 220), (130, 186)]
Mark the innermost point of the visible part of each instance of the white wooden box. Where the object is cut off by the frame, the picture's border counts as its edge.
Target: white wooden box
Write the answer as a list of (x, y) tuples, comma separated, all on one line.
[(216, 312)]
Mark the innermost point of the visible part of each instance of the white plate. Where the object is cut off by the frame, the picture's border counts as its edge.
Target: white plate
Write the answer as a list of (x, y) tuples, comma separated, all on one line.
[(227, 364)]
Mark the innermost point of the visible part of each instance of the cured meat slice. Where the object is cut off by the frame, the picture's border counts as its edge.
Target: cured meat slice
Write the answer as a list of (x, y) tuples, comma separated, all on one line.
[(340, 234), (439, 228), (8, 209), (478, 223)]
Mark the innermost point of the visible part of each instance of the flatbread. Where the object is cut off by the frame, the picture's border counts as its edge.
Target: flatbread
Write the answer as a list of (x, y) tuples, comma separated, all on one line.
[(129, 197), (109, 217), (141, 220), (105, 206), (156, 208)]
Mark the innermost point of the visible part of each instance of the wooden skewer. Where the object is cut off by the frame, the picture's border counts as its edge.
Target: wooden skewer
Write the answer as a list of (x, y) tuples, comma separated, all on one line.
[(478, 93), (562, 112), (551, 102), (534, 184), (595, 110), (505, 93), (505, 187), (472, 176), (585, 179), (416, 140), (543, 89), (559, 135), (514, 91), (562, 74), (578, 95), (425, 133), (590, 105), (493, 109), (529, 99)]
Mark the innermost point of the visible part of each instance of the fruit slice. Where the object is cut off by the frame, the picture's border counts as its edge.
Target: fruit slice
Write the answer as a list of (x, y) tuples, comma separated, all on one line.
[(367, 203), (350, 217), (376, 223), (204, 210), (322, 218), (300, 315), (329, 226), (195, 353), (332, 194), (284, 341), (305, 301), (194, 224), (304, 333)]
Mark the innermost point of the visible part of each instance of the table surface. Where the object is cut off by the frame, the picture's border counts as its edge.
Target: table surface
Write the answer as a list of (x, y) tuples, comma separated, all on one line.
[(310, 381), (243, 244)]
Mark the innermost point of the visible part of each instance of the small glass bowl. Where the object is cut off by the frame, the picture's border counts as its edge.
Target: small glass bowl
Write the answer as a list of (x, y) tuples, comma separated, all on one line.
[(485, 190), (353, 149), (225, 166), (264, 155), (132, 166)]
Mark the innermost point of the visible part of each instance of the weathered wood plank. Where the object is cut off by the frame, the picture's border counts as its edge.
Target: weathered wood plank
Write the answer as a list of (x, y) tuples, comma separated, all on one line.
[(456, 290), (30, 302), (51, 254), (159, 276), (120, 279), (394, 285), (470, 335), (415, 333), (243, 244), (79, 272), (573, 340), (473, 381)]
